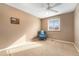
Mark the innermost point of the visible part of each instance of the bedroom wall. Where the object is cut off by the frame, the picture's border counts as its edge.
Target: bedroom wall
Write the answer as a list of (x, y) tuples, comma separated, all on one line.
[(66, 32), (16, 34), (76, 21)]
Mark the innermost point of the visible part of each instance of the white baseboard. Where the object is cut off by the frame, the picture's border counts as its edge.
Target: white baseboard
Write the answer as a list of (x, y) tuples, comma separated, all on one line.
[(63, 41), (68, 42)]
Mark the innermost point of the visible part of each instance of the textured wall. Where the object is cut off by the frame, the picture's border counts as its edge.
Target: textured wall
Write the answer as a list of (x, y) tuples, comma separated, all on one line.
[(16, 34), (66, 27)]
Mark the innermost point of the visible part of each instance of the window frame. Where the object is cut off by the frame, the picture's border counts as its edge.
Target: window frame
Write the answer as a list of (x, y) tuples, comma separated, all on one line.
[(51, 19)]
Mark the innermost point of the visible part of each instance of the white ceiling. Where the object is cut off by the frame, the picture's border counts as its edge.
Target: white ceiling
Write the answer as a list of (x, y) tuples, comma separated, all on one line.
[(39, 9)]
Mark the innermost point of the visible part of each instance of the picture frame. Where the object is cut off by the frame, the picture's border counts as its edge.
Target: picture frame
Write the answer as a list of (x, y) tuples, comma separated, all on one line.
[(14, 20)]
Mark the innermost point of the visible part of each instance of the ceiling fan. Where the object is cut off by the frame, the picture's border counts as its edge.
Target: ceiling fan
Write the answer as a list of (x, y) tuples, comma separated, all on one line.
[(50, 6)]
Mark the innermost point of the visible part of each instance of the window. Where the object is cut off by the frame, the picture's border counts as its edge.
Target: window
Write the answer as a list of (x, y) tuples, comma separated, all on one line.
[(54, 24)]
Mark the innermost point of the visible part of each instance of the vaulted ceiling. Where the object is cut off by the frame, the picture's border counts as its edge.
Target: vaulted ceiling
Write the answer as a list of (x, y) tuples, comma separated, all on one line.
[(39, 9)]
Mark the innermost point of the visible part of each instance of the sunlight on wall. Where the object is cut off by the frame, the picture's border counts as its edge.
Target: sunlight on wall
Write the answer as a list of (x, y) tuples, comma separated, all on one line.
[(28, 45), (21, 44), (17, 43)]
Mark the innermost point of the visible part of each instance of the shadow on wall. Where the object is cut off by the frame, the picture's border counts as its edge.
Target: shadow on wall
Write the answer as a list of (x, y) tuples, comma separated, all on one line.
[(11, 34)]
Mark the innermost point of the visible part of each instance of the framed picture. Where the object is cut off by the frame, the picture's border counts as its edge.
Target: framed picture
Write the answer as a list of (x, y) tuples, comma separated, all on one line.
[(14, 20), (54, 24)]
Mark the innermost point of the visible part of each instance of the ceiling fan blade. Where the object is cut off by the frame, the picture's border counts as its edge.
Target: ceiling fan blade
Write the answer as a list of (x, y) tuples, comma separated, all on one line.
[(53, 10), (48, 6), (55, 5), (52, 5)]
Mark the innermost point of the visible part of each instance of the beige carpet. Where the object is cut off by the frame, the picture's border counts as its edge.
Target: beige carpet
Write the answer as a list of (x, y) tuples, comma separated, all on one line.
[(47, 48)]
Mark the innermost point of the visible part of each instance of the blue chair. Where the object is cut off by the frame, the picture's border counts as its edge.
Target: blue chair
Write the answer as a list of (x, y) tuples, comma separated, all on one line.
[(42, 35)]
